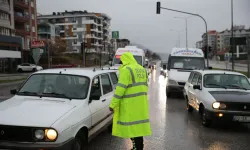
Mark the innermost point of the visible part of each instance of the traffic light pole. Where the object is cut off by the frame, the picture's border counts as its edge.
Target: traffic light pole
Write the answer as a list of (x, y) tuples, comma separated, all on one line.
[(158, 5)]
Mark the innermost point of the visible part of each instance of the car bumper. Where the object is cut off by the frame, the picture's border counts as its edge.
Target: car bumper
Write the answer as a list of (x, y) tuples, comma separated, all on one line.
[(175, 88), (227, 116), (33, 146)]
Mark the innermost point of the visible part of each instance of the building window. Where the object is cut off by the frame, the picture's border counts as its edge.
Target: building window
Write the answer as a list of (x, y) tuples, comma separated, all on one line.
[(33, 17), (28, 43), (33, 29), (4, 16)]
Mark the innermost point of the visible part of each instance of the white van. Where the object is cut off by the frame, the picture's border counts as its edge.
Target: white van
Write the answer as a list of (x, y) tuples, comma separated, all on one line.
[(180, 63), (138, 54)]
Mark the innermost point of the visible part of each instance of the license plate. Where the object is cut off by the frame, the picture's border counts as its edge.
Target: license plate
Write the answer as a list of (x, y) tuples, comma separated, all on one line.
[(242, 118)]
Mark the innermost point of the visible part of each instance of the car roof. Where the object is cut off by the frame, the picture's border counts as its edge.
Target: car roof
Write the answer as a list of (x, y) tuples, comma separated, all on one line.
[(203, 72), (89, 72)]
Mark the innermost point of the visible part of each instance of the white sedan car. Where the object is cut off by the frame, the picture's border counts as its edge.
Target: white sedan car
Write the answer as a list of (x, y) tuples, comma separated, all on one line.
[(218, 96), (28, 67), (58, 109)]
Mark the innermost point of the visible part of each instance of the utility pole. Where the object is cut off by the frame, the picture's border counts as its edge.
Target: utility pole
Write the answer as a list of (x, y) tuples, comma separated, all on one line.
[(186, 28), (158, 8), (232, 35)]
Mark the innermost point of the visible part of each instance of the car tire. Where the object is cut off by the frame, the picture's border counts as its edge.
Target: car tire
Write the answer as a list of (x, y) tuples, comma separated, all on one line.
[(80, 142), (20, 70), (189, 108), (169, 94), (34, 70), (204, 120)]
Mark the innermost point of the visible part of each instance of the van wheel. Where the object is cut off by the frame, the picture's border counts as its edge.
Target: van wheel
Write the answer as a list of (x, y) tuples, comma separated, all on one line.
[(80, 142)]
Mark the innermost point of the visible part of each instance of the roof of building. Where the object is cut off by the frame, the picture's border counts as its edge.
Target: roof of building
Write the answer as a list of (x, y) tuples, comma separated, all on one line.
[(73, 14), (89, 72)]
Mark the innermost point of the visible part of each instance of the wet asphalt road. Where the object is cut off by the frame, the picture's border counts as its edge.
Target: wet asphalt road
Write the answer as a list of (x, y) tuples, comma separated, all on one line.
[(175, 129)]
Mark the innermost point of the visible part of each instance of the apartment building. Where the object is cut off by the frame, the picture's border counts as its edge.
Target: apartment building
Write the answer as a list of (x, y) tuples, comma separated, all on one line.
[(223, 38), (10, 46), (81, 26), (199, 44), (25, 19), (47, 31)]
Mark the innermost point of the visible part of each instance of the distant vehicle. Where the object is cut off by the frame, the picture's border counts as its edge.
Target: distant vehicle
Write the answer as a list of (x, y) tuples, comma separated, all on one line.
[(25, 67), (58, 109), (181, 62), (218, 96), (138, 54)]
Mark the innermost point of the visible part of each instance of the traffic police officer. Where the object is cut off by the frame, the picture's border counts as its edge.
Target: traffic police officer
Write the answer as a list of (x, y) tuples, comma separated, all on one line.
[(130, 102)]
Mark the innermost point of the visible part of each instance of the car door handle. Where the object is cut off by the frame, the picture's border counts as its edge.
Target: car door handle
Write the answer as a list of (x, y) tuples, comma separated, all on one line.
[(104, 100)]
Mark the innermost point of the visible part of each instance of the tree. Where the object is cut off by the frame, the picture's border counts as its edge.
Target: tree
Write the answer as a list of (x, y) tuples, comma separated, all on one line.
[(57, 46)]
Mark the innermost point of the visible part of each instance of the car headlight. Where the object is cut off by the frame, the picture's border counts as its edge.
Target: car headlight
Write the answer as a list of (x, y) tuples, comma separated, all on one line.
[(218, 105), (45, 135), (39, 134), (51, 134), (173, 82)]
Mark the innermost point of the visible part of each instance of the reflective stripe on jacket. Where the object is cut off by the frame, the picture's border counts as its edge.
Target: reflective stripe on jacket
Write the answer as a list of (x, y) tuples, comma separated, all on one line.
[(130, 102)]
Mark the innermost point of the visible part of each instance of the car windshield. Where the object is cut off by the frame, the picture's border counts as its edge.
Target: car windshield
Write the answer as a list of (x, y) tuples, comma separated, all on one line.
[(189, 63), (137, 58), (56, 85), (228, 81)]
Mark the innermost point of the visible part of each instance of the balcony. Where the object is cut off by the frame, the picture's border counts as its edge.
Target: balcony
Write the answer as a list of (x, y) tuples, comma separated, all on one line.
[(5, 23), (21, 18), (20, 4), (4, 6), (22, 32)]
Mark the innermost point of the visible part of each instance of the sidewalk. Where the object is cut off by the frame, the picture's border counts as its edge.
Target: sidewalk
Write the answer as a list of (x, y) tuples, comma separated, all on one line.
[(223, 63)]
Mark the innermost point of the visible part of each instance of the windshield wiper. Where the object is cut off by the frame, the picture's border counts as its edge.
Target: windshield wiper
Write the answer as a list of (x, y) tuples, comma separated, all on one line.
[(57, 94), (238, 87), (28, 93), (217, 85)]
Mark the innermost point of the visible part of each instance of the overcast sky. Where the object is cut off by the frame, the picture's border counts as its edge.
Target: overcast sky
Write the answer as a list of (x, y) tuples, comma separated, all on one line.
[(137, 19)]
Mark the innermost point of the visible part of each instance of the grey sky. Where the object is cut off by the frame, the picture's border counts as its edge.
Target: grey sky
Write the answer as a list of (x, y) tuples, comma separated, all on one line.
[(137, 19)]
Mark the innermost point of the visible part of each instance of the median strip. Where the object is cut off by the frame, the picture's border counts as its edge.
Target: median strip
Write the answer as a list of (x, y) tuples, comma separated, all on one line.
[(12, 80)]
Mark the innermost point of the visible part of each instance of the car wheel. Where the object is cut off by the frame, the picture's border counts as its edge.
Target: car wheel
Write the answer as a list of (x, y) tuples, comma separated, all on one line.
[(205, 121), (34, 69), (80, 142), (169, 94), (189, 108), (20, 70)]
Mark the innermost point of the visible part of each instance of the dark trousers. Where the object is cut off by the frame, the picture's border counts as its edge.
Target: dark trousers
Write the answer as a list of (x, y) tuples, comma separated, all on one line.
[(137, 143)]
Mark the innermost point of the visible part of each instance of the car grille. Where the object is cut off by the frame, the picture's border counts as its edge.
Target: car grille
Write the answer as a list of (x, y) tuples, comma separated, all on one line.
[(238, 106), (182, 83), (15, 133)]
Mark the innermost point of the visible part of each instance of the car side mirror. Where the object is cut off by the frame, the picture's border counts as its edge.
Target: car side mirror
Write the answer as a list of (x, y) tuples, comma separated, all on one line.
[(197, 87), (95, 96), (164, 67), (210, 68), (13, 92)]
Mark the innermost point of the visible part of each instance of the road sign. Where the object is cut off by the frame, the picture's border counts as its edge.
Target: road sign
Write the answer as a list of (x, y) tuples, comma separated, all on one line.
[(36, 44), (36, 54), (115, 34)]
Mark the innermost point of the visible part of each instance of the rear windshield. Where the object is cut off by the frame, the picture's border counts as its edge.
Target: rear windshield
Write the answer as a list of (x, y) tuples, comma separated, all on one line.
[(117, 59)]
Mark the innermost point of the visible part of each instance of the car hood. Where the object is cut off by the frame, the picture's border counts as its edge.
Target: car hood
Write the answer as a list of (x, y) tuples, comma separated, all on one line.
[(179, 75), (36, 112), (231, 96)]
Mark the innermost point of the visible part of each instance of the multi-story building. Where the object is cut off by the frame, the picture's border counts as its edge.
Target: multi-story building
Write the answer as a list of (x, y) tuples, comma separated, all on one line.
[(26, 24), (47, 31), (80, 26), (199, 44), (10, 46), (212, 40), (223, 38)]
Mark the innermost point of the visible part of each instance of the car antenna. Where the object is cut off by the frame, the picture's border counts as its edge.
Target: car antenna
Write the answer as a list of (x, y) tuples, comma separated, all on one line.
[(94, 69)]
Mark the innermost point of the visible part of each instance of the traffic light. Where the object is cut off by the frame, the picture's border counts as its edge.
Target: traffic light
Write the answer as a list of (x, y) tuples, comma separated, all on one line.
[(83, 46), (209, 49), (158, 7), (205, 52)]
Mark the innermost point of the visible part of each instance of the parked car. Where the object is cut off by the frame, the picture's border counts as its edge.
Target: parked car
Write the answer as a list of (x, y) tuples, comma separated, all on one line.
[(25, 67), (58, 108), (218, 96)]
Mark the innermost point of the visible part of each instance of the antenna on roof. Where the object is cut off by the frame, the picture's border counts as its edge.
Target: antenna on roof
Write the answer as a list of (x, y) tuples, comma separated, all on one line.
[(94, 69)]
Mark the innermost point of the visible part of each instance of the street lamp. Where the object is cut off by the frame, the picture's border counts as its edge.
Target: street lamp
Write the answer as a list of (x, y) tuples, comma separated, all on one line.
[(158, 8), (232, 34), (186, 28), (179, 36)]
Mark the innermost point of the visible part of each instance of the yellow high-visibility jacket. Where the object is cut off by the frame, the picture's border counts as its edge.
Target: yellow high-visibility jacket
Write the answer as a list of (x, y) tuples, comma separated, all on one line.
[(130, 101)]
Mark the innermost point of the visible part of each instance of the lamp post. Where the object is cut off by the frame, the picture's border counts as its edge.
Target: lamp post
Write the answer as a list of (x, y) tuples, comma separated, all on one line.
[(179, 37), (232, 34)]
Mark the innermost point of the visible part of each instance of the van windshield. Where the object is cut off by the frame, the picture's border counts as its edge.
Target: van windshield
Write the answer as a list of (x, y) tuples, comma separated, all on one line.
[(189, 63), (137, 58)]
